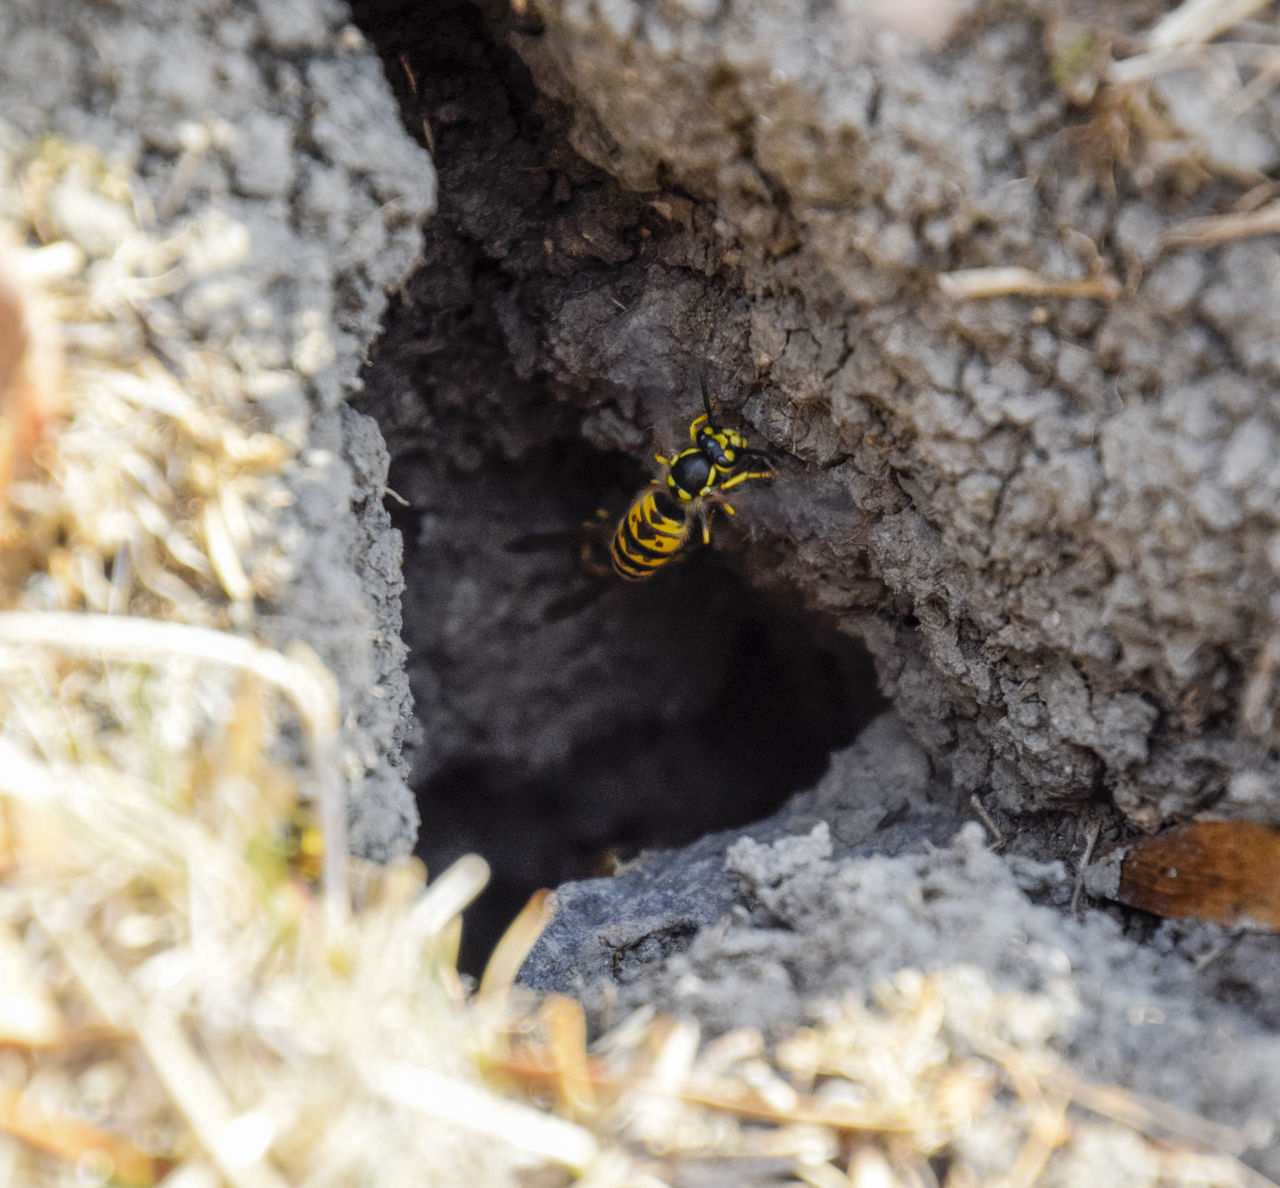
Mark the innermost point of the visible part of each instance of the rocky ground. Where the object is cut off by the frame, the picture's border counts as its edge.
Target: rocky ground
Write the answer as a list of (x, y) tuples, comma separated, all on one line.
[(1046, 513), (1028, 531)]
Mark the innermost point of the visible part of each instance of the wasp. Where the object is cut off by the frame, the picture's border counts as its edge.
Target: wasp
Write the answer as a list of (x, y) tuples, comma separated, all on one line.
[(665, 519), (677, 506)]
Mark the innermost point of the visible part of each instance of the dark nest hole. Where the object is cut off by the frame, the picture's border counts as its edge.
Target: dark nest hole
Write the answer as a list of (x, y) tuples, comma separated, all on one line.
[(655, 713), (648, 717)]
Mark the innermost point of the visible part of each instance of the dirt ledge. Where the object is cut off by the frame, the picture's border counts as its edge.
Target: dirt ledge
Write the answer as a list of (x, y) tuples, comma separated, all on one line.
[(276, 120)]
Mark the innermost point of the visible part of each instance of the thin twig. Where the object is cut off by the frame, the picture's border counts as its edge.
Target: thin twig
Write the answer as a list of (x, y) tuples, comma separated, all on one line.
[(514, 946), (478, 1109), (1223, 228), (970, 283), (1091, 831)]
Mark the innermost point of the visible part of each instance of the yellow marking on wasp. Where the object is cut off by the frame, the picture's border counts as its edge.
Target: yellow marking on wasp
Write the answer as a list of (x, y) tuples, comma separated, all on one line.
[(647, 537)]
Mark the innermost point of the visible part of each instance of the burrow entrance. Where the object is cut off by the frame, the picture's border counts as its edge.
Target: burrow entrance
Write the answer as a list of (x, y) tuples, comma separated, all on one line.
[(521, 382), (552, 336)]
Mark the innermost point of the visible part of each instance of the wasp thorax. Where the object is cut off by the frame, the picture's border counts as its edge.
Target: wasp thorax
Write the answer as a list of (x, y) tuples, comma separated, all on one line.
[(691, 471)]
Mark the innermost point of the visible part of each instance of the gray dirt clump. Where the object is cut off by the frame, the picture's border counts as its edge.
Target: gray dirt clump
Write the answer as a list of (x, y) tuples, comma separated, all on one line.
[(819, 928), (867, 876), (1070, 505), (879, 795), (275, 119)]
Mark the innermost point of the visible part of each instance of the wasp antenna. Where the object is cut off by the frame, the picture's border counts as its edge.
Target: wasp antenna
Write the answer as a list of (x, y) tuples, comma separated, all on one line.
[(706, 394)]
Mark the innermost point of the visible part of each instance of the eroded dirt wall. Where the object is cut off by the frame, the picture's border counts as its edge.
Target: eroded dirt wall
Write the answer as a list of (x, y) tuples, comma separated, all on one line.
[(1052, 519), (1074, 502)]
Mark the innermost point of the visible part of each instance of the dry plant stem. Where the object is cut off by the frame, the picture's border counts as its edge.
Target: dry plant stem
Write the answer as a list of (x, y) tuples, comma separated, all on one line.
[(449, 894), (969, 283), (1222, 228), (1141, 68), (868, 1168), (1255, 713), (1048, 1127), (980, 810), (823, 1175), (1185, 1167), (1197, 21), (1091, 832), (70, 1138), (194, 1092), (1141, 1114), (1124, 72), (511, 950), (566, 1024), (808, 1111), (307, 686), (524, 1127)]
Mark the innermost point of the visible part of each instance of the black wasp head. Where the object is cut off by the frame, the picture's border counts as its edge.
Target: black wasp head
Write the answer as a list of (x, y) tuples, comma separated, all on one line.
[(722, 447)]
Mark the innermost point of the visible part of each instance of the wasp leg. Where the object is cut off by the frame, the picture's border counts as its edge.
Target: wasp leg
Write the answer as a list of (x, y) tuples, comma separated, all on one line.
[(713, 501), (744, 476), (593, 546), (588, 544), (706, 514), (696, 425)]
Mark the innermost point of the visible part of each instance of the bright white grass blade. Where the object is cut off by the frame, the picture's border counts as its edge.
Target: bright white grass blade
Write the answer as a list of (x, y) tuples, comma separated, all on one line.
[(303, 681), (446, 897), (525, 1128), (1198, 21)]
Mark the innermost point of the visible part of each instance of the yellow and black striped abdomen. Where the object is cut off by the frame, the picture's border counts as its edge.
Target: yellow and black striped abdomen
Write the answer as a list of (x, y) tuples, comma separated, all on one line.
[(653, 531)]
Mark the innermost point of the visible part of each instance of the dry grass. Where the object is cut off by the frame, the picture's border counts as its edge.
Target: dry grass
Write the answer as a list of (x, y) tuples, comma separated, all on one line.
[(971, 283), (190, 996), (1174, 105)]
